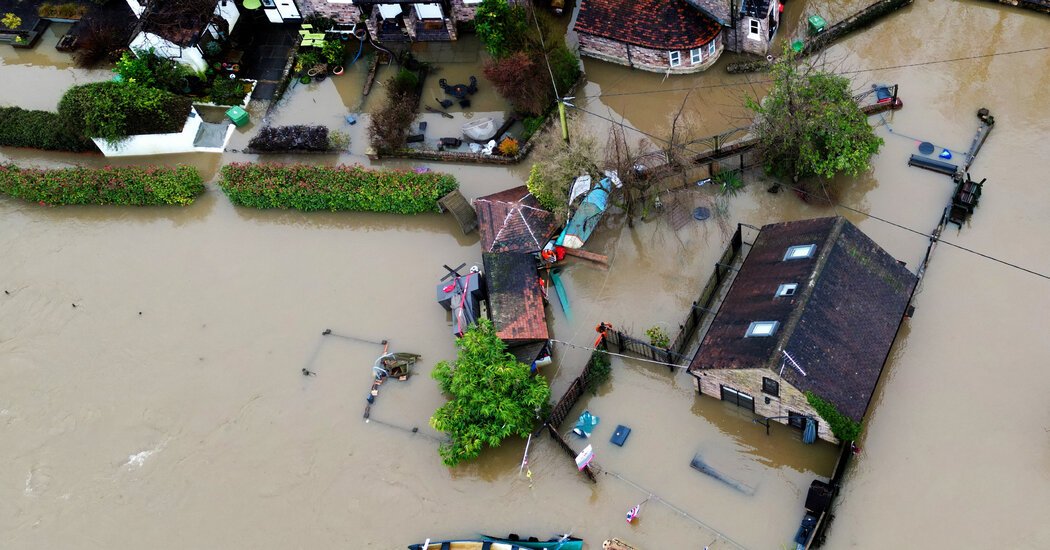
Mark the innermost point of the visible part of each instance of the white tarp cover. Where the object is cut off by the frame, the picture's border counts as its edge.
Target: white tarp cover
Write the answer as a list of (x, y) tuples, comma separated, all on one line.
[(429, 11), (389, 11), (580, 186)]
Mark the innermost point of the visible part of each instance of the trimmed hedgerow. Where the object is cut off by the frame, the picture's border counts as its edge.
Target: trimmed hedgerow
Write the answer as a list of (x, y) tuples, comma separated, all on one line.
[(310, 187), (115, 110), (39, 130), (131, 185), (291, 138)]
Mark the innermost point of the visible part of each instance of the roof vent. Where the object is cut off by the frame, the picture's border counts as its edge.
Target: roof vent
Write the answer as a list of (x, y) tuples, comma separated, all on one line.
[(787, 290)]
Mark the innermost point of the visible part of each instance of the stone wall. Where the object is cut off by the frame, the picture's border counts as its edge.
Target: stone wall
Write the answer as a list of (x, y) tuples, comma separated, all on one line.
[(749, 381), (463, 12), (646, 59), (342, 13)]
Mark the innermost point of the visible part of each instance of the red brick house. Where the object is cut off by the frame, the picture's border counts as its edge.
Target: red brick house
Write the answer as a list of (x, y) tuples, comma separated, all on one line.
[(674, 36), (815, 307)]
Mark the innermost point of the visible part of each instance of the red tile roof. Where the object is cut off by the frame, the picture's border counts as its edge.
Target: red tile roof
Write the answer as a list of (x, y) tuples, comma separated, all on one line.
[(515, 297), (513, 221), (659, 24)]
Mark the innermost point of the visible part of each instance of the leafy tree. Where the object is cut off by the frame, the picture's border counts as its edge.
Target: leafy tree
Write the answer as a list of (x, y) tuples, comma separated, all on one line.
[(493, 396), (810, 124), (501, 27)]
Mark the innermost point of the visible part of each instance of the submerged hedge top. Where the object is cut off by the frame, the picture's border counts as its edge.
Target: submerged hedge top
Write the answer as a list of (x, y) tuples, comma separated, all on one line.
[(129, 185), (310, 187)]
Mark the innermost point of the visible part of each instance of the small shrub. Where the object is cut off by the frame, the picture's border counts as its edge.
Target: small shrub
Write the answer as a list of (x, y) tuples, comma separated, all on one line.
[(320, 22), (390, 122), (291, 138), (338, 141), (599, 369), (729, 182), (531, 125), (306, 60), (131, 185), (657, 337), (523, 80), (116, 110), (102, 41), (39, 130), (11, 21), (502, 28), (68, 10), (334, 51), (405, 82), (509, 147), (311, 187), (151, 70), (228, 91)]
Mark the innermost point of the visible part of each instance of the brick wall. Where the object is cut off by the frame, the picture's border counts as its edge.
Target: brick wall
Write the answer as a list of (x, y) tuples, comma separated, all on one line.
[(341, 13), (646, 59), (749, 381)]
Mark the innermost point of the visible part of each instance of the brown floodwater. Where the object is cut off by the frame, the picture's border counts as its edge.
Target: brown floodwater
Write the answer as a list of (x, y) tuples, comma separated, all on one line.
[(167, 408)]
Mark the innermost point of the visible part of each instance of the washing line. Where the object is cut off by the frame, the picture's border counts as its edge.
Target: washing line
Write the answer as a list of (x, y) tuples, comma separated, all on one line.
[(680, 511), (915, 139)]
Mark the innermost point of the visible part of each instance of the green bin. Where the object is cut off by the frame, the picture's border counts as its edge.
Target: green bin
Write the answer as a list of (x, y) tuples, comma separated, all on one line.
[(817, 24), (238, 115)]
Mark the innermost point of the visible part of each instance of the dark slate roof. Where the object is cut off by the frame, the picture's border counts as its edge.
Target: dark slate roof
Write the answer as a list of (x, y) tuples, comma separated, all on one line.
[(715, 9), (839, 325), (513, 221), (659, 24), (177, 22), (755, 8), (515, 297)]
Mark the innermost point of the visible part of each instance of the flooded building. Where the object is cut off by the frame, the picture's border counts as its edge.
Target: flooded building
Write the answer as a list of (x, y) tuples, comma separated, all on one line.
[(674, 36), (809, 318), (393, 21), (182, 31)]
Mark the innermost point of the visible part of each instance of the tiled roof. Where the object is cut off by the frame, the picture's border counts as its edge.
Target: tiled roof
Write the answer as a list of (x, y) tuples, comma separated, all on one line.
[(838, 326), (659, 24), (515, 297), (513, 221)]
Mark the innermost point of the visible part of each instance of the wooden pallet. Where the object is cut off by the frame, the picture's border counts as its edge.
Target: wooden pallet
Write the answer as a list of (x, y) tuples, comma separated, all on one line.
[(464, 213)]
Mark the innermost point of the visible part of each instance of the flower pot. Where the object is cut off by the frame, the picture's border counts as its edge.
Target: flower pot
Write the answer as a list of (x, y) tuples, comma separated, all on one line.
[(337, 70), (314, 71)]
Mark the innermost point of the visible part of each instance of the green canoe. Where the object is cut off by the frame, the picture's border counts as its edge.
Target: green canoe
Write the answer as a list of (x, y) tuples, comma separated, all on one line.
[(563, 542)]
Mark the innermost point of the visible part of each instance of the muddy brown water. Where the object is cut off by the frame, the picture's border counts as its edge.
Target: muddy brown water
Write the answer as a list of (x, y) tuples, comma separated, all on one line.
[(190, 425)]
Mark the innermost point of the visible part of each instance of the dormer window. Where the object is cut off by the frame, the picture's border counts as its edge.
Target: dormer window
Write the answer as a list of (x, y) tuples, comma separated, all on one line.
[(762, 328), (787, 290), (800, 252)]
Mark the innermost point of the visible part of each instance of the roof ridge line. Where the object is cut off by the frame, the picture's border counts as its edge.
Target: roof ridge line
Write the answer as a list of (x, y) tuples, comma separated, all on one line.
[(818, 270)]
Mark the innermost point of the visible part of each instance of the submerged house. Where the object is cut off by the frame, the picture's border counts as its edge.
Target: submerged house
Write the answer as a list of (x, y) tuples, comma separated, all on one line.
[(181, 30), (674, 36), (399, 21), (812, 313)]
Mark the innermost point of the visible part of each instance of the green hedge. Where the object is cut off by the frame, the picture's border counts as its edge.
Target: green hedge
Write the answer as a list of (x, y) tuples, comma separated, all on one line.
[(309, 187), (132, 185), (842, 426), (39, 130), (115, 110)]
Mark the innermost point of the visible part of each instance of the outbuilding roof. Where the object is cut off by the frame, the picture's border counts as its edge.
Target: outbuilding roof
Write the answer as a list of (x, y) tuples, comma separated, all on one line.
[(515, 297), (838, 324), (513, 221), (657, 24)]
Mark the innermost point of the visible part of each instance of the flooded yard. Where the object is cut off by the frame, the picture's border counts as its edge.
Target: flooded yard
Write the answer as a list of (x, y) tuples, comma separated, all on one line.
[(167, 408)]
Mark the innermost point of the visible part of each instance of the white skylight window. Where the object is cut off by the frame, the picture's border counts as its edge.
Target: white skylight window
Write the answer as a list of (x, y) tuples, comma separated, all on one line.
[(787, 290), (800, 252), (762, 328)]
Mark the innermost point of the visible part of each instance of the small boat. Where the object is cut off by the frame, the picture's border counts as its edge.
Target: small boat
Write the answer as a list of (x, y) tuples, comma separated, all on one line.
[(559, 289), (482, 129), (561, 542), (464, 545), (587, 216)]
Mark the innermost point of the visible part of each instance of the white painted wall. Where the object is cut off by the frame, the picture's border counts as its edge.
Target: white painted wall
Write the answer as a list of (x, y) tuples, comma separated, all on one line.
[(163, 144), (136, 8), (189, 55)]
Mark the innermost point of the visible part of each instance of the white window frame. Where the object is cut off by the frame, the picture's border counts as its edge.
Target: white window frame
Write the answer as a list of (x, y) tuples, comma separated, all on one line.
[(711, 46), (696, 56), (674, 58), (762, 329), (787, 289), (471, 2), (754, 28), (800, 252)]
